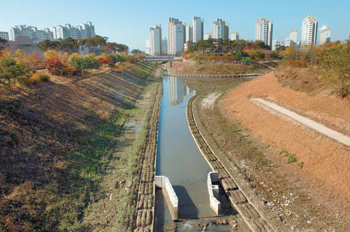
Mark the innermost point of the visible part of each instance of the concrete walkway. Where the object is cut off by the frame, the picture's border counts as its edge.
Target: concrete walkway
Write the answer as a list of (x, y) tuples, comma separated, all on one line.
[(303, 120)]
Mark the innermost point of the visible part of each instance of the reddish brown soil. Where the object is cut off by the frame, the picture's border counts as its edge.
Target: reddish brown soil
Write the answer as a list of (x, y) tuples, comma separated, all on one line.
[(326, 163)]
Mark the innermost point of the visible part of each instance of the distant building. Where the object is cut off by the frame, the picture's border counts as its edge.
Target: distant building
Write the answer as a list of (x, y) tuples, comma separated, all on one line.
[(276, 44), (309, 30), (207, 36), (264, 31), (30, 32), (198, 31), (292, 38), (164, 46), (155, 34), (188, 33), (176, 32), (219, 29), (82, 31), (325, 35), (148, 47), (234, 36), (4, 35), (35, 35), (187, 45)]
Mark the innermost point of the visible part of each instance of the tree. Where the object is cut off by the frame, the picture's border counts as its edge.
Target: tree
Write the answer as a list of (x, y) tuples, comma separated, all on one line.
[(290, 53), (335, 64), (33, 61), (48, 45), (10, 69), (49, 54), (3, 43), (69, 45), (136, 51)]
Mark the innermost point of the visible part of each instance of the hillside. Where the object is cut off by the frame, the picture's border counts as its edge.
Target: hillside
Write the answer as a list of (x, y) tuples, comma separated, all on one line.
[(325, 161), (56, 141), (193, 67)]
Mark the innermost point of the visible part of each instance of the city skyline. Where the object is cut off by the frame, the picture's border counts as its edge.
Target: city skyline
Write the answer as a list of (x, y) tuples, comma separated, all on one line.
[(111, 21)]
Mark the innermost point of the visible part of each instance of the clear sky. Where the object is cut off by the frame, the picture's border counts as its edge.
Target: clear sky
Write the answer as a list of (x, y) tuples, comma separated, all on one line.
[(128, 21)]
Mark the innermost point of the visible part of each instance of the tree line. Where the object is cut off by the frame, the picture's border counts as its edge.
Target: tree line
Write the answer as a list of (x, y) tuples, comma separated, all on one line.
[(72, 45)]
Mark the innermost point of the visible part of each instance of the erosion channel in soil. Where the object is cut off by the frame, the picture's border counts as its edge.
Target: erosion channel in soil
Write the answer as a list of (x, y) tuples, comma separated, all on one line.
[(178, 157)]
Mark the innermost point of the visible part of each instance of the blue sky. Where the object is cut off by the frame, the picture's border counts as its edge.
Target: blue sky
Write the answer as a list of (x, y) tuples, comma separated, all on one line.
[(128, 21)]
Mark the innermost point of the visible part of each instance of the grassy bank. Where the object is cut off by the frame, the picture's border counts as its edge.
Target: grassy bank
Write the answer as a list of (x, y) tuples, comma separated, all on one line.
[(69, 131)]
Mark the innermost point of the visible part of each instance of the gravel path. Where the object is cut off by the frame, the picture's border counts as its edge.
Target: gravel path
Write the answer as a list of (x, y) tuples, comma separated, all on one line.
[(303, 120)]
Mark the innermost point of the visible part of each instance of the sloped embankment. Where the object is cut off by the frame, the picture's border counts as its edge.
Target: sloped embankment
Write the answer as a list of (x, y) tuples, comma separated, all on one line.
[(324, 161), (56, 141)]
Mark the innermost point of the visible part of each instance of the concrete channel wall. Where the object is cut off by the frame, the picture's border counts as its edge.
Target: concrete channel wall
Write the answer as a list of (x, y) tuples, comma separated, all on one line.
[(216, 76), (239, 200), (172, 200), (213, 189)]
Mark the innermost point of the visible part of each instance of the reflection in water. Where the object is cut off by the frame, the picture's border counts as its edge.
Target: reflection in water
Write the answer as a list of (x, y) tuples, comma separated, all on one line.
[(178, 91), (178, 157)]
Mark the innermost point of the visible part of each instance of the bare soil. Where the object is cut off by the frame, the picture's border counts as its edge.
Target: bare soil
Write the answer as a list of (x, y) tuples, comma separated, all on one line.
[(324, 178)]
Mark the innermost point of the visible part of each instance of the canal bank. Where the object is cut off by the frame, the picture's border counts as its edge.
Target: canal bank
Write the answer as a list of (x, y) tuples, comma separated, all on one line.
[(237, 198)]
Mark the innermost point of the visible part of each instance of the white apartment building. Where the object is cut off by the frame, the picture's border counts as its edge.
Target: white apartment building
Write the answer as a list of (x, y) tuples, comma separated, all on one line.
[(164, 46), (29, 32), (155, 34), (219, 29), (309, 30), (292, 38), (234, 36), (82, 31), (148, 47), (188, 33), (207, 36), (198, 30), (176, 31), (325, 35), (4, 35), (275, 44), (264, 30)]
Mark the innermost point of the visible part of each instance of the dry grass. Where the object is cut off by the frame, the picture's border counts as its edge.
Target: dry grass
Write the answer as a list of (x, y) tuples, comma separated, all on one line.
[(37, 78), (57, 139)]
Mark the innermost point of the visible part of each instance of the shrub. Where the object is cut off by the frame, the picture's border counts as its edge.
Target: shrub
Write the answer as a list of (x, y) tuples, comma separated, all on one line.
[(104, 60), (113, 59), (38, 78), (55, 66)]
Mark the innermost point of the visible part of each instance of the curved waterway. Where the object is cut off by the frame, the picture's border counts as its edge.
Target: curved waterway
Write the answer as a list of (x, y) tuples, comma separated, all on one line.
[(178, 157)]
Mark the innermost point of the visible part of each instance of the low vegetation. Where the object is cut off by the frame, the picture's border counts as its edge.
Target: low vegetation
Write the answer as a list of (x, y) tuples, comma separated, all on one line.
[(331, 62), (218, 50)]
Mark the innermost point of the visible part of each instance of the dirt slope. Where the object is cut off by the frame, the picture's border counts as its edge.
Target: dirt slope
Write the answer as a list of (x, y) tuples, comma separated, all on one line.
[(56, 140), (325, 172)]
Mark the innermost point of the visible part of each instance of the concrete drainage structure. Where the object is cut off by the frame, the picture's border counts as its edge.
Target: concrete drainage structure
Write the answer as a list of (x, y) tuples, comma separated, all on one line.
[(163, 182), (213, 189)]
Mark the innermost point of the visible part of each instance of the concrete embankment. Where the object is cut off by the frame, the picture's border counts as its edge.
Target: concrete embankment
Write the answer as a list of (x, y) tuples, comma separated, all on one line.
[(172, 200), (213, 190), (145, 202), (237, 198), (202, 76)]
